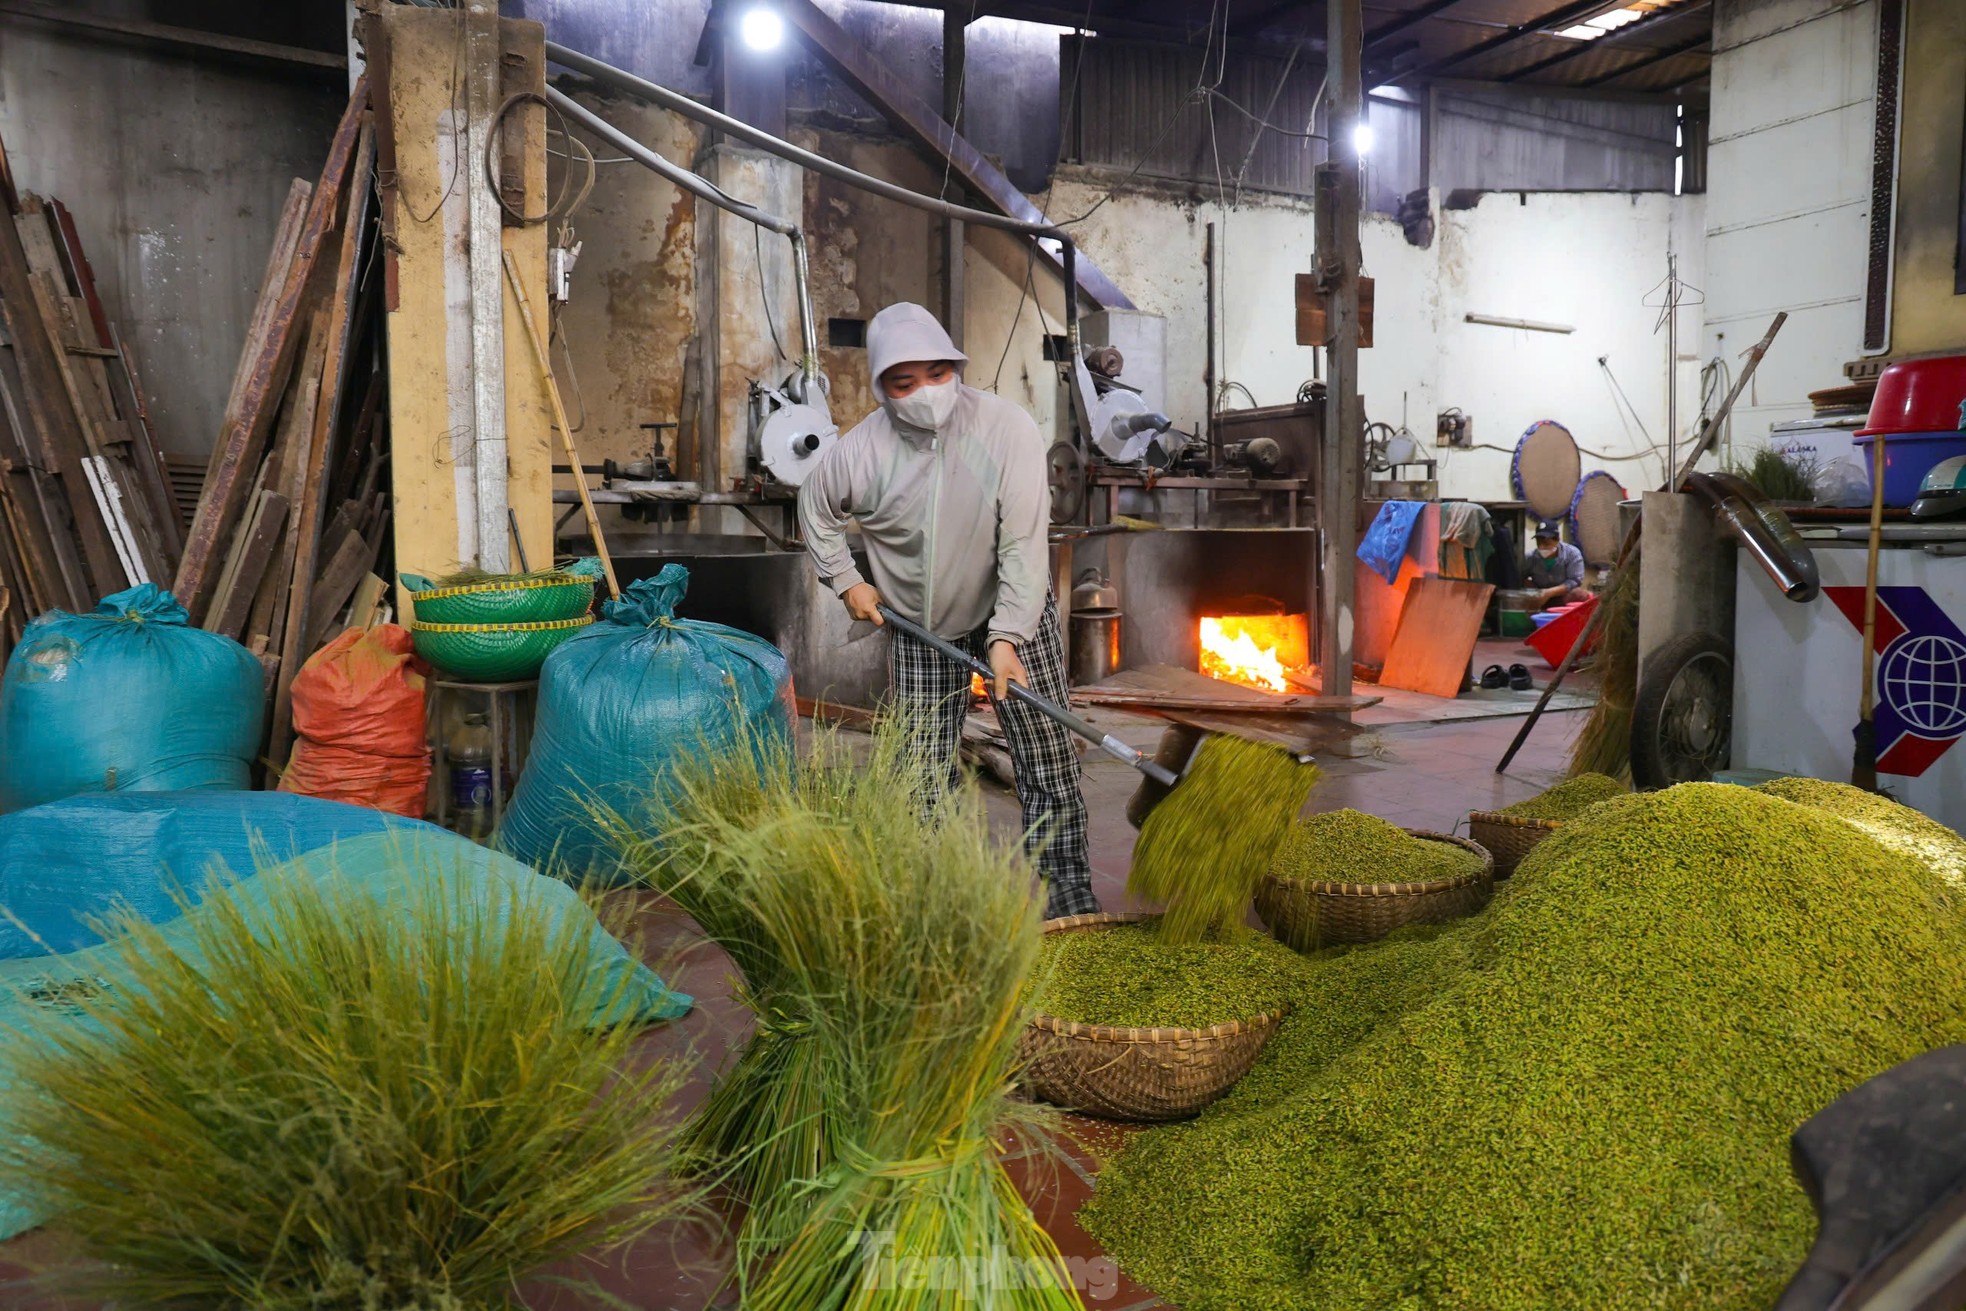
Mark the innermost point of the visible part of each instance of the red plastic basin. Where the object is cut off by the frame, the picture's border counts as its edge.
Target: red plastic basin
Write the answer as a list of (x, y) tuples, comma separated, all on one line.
[(1553, 640), (1919, 396)]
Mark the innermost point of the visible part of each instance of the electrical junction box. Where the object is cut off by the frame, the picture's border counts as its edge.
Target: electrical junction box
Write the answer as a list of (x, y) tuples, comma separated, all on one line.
[(1454, 428)]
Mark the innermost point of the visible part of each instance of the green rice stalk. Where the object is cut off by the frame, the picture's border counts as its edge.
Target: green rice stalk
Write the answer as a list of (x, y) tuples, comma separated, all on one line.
[(885, 958), (400, 1105), (1780, 477), (1604, 744), (1206, 846)]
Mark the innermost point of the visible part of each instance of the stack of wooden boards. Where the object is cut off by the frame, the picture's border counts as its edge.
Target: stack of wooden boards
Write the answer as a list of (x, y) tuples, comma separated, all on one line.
[(85, 500), (294, 514)]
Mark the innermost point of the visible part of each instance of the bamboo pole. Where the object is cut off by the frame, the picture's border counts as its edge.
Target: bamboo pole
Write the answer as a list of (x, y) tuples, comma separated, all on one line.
[(560, 420)]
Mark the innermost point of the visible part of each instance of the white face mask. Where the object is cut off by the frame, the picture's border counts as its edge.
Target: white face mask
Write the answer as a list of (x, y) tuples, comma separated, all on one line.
[(1546, 551), (928, 407)]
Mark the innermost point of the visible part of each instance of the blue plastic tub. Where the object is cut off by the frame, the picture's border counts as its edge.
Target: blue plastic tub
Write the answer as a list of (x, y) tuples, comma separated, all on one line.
[(1542, 617), (1908, 456)]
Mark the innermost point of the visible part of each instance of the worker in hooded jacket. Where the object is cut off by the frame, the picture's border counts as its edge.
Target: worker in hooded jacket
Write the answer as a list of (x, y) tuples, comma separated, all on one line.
[(949, 487)]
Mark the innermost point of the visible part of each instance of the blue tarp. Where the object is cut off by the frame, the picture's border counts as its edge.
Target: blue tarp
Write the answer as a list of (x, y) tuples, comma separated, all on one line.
[(1384, 544), (69, 861)]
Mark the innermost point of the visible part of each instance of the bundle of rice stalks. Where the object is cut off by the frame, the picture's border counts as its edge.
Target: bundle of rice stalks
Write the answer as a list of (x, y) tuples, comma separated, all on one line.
[(885, 958), (1604, 745), (306, 1094), (1780, 477), (1204, 848)]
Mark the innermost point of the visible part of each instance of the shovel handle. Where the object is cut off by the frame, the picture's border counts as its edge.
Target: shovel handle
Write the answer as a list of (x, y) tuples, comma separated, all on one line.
[(1106, 742)]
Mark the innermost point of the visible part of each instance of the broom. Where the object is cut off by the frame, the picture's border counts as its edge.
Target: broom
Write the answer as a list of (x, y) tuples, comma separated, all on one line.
[(1604, 744)]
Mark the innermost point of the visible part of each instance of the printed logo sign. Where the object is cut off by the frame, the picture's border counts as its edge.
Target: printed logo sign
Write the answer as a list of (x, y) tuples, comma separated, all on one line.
[(1921, 676)]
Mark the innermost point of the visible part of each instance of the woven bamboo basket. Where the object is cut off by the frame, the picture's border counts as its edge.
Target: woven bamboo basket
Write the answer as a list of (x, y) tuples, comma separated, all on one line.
[(538, 600), (492, 653), (1140, 1075), (1325, 914), (1508, 837)]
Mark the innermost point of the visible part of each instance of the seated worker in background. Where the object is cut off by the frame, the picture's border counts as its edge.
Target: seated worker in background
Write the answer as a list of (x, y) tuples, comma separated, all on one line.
[(949, 487), (1555, 568)]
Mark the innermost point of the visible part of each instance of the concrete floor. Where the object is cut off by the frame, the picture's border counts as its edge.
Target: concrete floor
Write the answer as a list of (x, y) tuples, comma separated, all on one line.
[(1416, 773)]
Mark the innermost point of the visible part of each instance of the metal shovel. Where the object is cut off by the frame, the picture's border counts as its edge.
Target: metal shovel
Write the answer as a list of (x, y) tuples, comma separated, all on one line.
[(1106, 742)]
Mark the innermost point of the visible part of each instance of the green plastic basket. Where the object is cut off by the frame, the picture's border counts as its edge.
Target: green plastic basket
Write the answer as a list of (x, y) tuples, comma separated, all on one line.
[(507, 601), (493, 653)]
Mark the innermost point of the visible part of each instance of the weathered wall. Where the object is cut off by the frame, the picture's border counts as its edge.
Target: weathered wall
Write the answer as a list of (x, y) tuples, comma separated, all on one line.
[(626, 334), (1927, 313), (1788, 200), (1586, 260), (175, 168)]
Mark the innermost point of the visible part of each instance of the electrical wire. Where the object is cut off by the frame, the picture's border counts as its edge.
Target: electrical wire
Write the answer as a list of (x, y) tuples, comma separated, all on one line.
[(457, 119), (758, 244)]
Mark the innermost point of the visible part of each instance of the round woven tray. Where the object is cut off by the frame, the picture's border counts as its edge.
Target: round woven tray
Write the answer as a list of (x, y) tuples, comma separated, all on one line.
[(1139, 1075), (1508, 838), (1325, 914), (492, 653), (507, 601)]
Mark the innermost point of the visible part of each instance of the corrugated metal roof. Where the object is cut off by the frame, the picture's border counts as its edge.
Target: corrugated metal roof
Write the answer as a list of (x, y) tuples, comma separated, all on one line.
[(1447, 29)]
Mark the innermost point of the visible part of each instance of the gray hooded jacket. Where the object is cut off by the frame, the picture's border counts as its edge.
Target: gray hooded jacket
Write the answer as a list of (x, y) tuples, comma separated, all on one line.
[(954, 521)]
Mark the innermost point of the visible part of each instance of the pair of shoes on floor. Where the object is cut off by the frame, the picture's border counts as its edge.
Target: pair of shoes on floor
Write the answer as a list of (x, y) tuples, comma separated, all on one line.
[(1516, 678)]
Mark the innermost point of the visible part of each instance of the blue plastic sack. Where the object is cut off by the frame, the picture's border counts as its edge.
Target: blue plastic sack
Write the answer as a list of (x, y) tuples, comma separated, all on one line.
[(1384, 545), (76, 860), (622, 699), (475, 886), (128, 697)]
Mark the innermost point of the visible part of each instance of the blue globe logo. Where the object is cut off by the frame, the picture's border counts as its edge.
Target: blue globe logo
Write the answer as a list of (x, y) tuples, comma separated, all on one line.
[(1924, 680)]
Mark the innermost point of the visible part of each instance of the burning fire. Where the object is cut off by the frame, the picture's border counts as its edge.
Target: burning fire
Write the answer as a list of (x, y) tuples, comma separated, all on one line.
[(1254, 650)]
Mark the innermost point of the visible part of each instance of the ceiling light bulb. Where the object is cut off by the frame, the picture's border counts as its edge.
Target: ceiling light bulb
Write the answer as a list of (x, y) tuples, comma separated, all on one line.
[(1362, 139), (761, 28)]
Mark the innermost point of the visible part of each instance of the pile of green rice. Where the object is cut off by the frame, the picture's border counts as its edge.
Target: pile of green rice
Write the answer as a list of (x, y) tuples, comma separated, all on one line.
[(1131, 977), (1898, 827), (1349, 846), (1568, 799), (1579, 1098)]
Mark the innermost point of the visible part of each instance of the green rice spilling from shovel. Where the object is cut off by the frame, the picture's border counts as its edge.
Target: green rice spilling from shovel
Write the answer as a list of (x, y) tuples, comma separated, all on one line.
[(1204, 848), (1580, 1098)]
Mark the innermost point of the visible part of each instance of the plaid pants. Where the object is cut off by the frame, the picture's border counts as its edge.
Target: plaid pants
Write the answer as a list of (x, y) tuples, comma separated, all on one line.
[(932, 691)]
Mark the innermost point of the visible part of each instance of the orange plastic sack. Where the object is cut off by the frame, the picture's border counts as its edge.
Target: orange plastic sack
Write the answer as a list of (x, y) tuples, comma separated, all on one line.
[(358, 707)]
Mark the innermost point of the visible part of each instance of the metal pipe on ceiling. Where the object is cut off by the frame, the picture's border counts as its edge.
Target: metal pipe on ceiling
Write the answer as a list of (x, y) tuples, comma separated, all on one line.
[(704, 189)]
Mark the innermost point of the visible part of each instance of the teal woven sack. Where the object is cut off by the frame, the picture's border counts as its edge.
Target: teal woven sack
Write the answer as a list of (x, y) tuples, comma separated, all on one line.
[(618, 702), (127, 698)]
